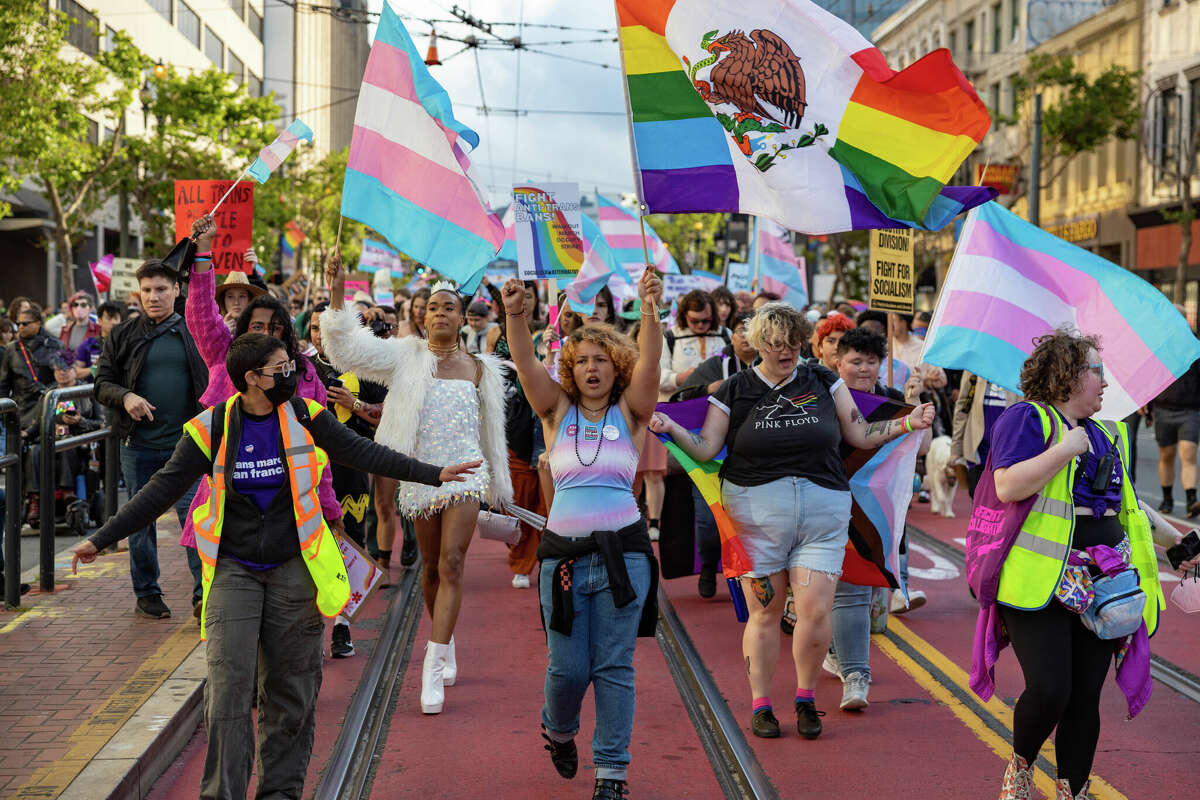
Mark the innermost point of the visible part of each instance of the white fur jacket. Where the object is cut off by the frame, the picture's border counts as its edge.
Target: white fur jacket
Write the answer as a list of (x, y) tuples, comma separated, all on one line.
[(408, 369)]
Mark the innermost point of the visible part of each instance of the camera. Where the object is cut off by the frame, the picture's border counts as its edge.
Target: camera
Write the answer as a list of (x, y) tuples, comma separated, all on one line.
[(1187, 549), (380, 328)]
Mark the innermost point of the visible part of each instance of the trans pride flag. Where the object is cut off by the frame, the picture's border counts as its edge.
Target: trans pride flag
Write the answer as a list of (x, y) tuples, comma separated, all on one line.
[(779, 271), (599, 267), (623, 231), (1010, 282), (780, 109), (274, 154), (408, 175)]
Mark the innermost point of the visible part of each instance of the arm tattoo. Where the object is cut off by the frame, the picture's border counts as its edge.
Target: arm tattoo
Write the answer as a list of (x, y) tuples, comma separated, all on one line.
[(763, 590), (855, 416), (883, 428), (696, 439)]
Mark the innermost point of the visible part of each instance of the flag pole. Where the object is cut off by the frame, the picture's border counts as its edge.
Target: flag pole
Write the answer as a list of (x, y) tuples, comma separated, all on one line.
[(637, 172), (757, 247), (230, 190)]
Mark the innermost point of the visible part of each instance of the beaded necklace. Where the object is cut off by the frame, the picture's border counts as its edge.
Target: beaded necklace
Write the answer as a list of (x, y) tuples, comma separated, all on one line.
[(599, 439)]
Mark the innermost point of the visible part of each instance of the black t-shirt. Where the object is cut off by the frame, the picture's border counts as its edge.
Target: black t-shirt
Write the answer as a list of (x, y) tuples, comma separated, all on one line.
[(787, 431)]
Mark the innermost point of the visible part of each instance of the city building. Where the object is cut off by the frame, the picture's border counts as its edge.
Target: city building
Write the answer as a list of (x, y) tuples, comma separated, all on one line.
[(1171, 67), (315, 57), (188, 34)]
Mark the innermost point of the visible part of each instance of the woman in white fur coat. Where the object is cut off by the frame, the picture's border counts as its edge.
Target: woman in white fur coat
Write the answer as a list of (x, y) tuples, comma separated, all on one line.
[(440, 400)]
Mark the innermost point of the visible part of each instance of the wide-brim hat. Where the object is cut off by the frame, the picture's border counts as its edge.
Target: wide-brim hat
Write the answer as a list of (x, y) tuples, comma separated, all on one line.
[(240, 281), (636, 311)]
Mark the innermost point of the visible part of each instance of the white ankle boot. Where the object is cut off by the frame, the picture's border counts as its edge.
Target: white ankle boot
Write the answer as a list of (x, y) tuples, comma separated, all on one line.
[(450, 668), (432, 689)]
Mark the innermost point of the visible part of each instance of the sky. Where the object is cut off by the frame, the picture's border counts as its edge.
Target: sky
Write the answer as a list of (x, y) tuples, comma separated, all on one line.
[(591, 149)]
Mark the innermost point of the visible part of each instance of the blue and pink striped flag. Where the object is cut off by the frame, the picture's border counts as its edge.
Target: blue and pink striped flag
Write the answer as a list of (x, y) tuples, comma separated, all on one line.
[(408, 175), (1010, 282), (274, 154), (779, 271), (623, 231), (599, 267)]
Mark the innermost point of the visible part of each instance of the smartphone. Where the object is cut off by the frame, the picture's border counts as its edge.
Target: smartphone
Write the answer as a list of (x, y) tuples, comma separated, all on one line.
[(336, 382), (1187, 549)]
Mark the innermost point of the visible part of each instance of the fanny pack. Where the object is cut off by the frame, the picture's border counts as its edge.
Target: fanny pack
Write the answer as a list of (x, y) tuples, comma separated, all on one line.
[(1116, 611)]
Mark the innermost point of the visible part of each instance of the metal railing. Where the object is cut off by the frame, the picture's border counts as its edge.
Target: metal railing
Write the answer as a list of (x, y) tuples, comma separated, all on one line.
[(48, 469), (10, 462)]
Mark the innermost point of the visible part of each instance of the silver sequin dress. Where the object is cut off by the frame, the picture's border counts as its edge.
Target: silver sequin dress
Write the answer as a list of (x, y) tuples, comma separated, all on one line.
[(449, 434)]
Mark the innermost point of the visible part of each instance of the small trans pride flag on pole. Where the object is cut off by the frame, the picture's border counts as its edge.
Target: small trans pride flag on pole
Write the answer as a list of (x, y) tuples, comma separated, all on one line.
[(274, 154), (1011, 282), (779, 271)]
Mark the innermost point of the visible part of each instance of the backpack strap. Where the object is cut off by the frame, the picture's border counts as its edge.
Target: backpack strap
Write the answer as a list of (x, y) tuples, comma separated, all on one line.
[(670, 335)]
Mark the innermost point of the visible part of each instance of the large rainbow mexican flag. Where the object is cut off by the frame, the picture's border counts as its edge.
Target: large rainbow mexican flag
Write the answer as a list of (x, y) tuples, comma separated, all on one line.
[(779, 108)]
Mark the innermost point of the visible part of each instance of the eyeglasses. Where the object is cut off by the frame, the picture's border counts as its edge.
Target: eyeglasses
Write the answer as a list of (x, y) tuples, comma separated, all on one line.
[(263, 327), (81, 304), (699, 320), (1097, 368), (285, 369), (777, 347)]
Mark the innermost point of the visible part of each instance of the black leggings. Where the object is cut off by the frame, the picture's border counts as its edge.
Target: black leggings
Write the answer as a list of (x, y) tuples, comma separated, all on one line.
[(1064, 665)]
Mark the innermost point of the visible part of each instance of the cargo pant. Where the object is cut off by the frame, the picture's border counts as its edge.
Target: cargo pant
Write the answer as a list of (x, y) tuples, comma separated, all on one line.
[(269, 618)]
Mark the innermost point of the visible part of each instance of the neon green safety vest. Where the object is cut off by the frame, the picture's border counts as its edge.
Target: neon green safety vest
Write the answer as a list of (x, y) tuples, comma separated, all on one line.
[(305, 465), (1034, 567)]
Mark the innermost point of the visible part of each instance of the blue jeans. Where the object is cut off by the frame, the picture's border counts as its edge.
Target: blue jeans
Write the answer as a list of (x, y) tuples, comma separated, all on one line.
[(599, 651), (852, 627), (708, 539), (139, 465)]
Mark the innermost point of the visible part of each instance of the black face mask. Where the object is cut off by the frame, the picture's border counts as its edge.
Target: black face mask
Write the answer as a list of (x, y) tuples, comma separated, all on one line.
[(283, 390)]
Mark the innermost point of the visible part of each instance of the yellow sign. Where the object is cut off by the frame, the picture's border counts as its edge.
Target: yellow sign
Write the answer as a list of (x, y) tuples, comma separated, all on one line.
[(892, 276), (1076, 231)]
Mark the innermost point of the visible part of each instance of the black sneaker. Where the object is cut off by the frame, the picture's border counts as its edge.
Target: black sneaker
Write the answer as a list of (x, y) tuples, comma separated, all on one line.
[(808, 719), (608, 789), (342, 646), (153, 607), (1193, 510), (1166, 506), (408, 554), (923, 496), (564, 755), (764, 725), (708, 582)]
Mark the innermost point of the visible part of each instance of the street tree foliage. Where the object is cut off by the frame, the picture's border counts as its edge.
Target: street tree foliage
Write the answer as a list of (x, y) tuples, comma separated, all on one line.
[(1175, 172), (1079, 113), (54, 102), (199, 126)]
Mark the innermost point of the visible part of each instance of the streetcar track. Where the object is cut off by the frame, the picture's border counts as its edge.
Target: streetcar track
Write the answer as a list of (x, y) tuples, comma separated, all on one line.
[(1165, 672), (737, 769), (351, 767)]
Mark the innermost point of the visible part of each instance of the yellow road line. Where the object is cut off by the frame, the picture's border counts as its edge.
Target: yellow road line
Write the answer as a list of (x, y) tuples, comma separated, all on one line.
[(51, 780), (1100, 788)]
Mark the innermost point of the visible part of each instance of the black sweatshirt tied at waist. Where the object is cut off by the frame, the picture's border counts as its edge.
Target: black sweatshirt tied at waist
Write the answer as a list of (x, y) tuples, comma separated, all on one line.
[(612, 546)]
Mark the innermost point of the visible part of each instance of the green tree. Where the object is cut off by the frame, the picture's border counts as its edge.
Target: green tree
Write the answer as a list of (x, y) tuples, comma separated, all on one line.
[(200, 126), (1079, 114), (54, 100), (689, 233)]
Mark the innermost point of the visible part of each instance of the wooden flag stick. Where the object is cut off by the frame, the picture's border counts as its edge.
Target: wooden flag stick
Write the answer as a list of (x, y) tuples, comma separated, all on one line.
[(646, 251)]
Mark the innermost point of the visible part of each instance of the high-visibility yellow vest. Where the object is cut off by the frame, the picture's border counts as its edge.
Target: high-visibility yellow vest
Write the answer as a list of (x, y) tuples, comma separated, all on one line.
[(1035, 564), (305, 465)]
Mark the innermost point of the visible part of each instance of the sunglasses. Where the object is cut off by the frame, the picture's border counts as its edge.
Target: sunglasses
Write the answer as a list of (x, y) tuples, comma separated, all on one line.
[(21, 323), (699, 320), (81, 304)]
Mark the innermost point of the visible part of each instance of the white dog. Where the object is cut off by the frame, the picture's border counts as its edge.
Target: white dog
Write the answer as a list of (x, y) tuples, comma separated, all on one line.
[(940, 487)]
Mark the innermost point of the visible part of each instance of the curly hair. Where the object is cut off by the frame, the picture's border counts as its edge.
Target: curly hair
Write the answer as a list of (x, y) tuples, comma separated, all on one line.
[(1057, 361), (776, 320), (618, 346), (833, 323)]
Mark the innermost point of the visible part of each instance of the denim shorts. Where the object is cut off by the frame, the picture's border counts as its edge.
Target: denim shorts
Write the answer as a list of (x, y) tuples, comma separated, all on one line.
[(790, 522)]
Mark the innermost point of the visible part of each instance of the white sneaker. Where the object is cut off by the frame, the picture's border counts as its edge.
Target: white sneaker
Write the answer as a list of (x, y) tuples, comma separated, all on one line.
[(520, 581), (831, 664), (916, 599), (653, 533), (854, 691)]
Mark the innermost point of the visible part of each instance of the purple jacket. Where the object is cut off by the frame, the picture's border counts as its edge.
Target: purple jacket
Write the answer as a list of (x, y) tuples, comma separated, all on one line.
[(207, 327)]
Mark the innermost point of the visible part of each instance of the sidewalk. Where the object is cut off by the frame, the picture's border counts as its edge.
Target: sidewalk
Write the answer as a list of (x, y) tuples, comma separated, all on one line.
[(91, 694)]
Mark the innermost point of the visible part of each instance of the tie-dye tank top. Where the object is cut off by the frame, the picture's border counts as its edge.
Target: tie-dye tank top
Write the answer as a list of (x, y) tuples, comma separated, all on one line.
[(598, 496)]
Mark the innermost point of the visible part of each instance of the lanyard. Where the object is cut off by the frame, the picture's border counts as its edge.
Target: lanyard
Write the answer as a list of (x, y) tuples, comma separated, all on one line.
[(28, 363)]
